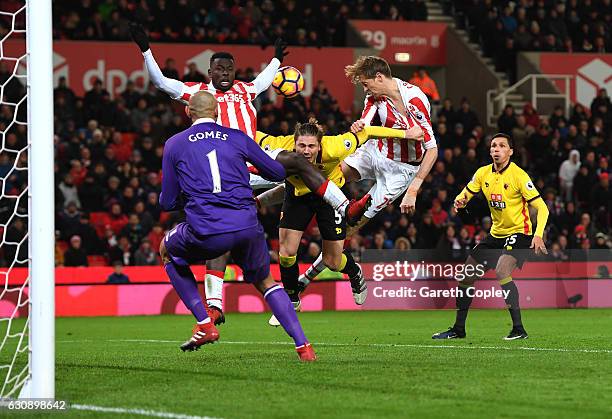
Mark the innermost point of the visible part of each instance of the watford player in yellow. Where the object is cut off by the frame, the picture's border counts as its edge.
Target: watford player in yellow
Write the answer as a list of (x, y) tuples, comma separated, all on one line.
[(508, 191), (300, 205)]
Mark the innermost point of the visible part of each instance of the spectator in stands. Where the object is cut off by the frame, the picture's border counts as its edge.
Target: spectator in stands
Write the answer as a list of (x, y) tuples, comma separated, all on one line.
[(133, 231), (466, 116), (68, 220), (170, 70), (567, 172), (194, 75), (69, 191), (75, 255), (601, 196), (121, 252), (88, 235), (422, 80), (117, 277), (145, 255), (507, 121), (531, 115), (130, 95)]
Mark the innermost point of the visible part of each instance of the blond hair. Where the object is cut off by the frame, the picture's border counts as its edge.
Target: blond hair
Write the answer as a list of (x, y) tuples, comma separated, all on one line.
[(310, 128), (367, 66)]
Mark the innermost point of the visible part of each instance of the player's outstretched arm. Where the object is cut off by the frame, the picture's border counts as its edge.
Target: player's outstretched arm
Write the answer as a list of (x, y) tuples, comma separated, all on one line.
[(267, 167), (408, 205), (414, 133), (537, 243), (266, 77), (172, 87)]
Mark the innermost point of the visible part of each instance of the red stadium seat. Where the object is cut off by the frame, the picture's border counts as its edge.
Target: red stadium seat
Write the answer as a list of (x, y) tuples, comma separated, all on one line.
[(96, 260)]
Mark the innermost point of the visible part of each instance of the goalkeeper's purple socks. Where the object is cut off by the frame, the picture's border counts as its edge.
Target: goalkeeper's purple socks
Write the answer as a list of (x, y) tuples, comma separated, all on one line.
[(283, 310), (185, 285)]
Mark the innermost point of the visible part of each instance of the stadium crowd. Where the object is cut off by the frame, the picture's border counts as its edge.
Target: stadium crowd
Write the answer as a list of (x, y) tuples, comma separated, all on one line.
[(316, 23), (108, 150), (504, 28), (108, 162)]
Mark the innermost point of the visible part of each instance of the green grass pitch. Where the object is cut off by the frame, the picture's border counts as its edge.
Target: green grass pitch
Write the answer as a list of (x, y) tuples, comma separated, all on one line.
[(371, 364)]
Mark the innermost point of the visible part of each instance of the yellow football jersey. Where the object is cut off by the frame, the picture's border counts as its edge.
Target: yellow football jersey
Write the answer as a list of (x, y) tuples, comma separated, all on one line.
[(334, 149), (508, 193)]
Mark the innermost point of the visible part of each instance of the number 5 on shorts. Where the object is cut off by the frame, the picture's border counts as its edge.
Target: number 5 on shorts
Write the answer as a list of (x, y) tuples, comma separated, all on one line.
[(510, 240)]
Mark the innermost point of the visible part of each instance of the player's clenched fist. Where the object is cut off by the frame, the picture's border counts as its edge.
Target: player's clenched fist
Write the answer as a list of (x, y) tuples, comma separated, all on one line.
[(357, 126), (415, 133), (460, 201)]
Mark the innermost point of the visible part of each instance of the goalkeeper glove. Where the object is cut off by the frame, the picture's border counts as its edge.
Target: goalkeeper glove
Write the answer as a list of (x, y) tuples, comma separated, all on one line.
[(139, 36), (280, 49)]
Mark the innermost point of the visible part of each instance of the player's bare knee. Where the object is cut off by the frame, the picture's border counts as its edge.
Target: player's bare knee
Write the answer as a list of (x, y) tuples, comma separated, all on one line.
[(505, 266), (163, 253), (218, 264)]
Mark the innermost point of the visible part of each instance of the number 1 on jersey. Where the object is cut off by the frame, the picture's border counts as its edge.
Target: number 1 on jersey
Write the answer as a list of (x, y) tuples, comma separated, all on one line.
[(214, 170)]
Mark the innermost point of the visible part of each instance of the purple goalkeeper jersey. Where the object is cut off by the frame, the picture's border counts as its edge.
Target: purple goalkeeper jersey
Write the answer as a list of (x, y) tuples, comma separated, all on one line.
[(204, 171)]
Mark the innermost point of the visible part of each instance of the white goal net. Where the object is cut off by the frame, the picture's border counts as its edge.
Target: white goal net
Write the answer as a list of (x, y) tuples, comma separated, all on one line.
[(26, 201)]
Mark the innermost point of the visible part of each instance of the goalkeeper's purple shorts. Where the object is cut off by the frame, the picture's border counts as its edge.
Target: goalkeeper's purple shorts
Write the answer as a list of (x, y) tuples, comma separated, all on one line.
[(248, 249)]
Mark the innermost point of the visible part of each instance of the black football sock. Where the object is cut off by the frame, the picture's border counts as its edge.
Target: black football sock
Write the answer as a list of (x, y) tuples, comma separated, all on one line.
[(463, 301), (350, 268), (512, 301)]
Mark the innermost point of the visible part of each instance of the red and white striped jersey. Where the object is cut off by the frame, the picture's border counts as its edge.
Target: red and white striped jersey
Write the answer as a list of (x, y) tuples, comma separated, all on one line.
[(236, 108), (418, 112)]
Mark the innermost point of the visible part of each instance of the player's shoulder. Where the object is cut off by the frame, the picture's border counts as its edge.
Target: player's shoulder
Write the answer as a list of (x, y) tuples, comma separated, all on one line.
[(409, 88), (516, 170), (484, 170)]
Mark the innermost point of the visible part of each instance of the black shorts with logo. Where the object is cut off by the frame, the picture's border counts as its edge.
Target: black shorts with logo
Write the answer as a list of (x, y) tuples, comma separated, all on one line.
[(491, 248), (297, 212)]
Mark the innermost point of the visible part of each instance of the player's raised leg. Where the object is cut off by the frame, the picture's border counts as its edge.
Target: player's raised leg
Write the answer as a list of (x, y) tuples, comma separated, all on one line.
[(184, 283), (296, 164)]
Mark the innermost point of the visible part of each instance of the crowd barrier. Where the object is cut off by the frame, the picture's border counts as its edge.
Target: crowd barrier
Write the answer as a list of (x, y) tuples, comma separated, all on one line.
[(84, 291)]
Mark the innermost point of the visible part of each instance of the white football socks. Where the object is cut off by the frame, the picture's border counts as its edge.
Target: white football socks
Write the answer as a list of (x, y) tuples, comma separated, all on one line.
[(315, 269), (214, 291), (335, 197)]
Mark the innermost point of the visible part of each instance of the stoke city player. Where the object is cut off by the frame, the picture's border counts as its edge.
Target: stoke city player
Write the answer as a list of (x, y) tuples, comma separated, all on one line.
[(397, 165)]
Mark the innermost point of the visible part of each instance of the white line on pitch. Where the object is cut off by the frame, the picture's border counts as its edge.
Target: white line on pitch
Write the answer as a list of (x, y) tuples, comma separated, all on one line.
[(141, 412), (384, 345)]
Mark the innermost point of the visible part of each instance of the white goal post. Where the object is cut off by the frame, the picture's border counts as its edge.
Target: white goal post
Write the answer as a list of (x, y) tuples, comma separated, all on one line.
[(41, 198), (28, 345)]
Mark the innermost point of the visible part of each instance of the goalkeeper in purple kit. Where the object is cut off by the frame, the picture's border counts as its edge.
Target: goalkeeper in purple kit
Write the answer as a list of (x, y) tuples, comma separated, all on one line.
[(204, 173)]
